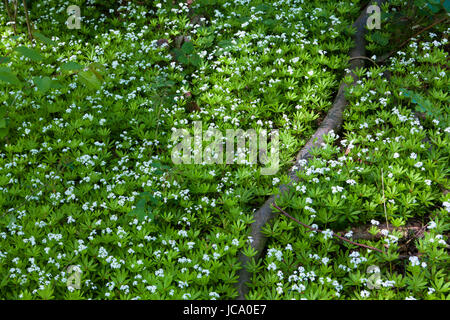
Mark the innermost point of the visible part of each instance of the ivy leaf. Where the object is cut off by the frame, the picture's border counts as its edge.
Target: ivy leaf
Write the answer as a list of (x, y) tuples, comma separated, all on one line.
[(43, 83), (71, 66), (6, 75), (44, 39), (29, 53)]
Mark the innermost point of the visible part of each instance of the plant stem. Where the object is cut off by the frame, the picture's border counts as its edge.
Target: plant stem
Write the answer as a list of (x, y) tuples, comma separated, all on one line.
[(30, 34), (334, 235), (383, 58), (15, 16), (384, 199), (7, 10)]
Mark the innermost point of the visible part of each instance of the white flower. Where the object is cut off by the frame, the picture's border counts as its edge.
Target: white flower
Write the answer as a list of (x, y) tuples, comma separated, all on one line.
[(414, 261), (272, 266), (365, 293), (431, 225)]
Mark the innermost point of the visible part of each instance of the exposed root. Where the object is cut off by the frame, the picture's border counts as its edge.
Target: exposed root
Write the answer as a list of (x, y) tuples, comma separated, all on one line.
[(332, 121)]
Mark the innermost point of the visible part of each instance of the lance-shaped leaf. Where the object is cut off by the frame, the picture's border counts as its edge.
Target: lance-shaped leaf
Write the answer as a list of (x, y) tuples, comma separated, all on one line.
[(89, 79), (6, 75), (71, 66), (29, 53), (44, 39)]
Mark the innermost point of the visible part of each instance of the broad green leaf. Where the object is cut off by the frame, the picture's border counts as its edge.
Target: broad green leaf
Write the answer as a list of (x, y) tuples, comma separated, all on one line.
[(446, 5), (90, 79), (97, 66), (195, 60), (44, 39), (42, 83), (139, 211), (262, 7), (2, 123), (225, 43), (187, 47), (96, 73), (55, 84), (29, 53), (7, 76), (4, 59), (3, 132), (71, 66), (183, 59)]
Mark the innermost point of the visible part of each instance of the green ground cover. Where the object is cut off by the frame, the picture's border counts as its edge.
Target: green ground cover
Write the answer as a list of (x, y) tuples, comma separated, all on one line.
[(87, 180)]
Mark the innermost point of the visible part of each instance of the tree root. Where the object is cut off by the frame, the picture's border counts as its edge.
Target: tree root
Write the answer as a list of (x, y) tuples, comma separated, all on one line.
[(332, 121)]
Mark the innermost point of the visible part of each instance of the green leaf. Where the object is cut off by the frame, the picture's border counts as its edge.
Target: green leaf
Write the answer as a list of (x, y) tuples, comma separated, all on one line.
[(262, 7), (446, 5), (183, 59), (139, 211), (2, 123), (44, 39), (4, 59), (3, 132), (55, 84), (7, 76), (225, 44), (71, 66), (43, 83), (195, 60), (187, 47), (90, 79), (379, 38), (29, 53), (269, 22), (95, 72), (434, 8)]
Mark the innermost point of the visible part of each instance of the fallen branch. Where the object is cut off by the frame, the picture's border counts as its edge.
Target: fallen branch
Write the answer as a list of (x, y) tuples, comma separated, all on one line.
[(321, 231), (362, 232), (384, 57), (332, 121), (366, 58)]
